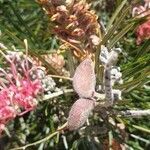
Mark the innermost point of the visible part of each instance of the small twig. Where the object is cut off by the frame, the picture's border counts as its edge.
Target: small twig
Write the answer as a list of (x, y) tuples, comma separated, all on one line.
[(65, 142), (70, 62), (134, 113), (143, 129), (102, 26), (3, 47), (37, 142), (140, 138), (73, 46), (61, 77), (64, 126), (56, 94)]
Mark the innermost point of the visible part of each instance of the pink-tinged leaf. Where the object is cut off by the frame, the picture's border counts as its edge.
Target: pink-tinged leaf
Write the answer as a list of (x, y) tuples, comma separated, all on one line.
[(79, 113), (84, 79)]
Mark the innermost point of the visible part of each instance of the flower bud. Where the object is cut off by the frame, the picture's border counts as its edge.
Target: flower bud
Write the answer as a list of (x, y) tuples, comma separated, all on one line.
[(84, 79), (79, 113)]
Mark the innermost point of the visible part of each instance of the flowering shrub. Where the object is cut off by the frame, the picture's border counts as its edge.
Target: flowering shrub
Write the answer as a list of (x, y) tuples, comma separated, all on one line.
[(73, 32)]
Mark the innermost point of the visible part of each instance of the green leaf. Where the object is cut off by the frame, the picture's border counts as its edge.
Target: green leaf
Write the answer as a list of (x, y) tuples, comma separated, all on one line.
[(120, 34), (116, 13), (141, 129)]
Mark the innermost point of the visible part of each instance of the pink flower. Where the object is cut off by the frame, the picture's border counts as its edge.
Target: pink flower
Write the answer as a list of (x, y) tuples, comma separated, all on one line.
[(4, 100), (6, 113), (143, 32), (18, 94), (142, 11), (25, 94)]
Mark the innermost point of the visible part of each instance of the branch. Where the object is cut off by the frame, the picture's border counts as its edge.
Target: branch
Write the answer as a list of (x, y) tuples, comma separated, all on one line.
[(56, 94), (134, 113), (37, 142), (61, 77), (3, 47), (63, 127)]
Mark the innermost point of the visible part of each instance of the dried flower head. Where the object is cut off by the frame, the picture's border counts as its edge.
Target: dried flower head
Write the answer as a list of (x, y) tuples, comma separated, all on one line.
[(55, 60), (74, 23), (84, 79), (79, 113)]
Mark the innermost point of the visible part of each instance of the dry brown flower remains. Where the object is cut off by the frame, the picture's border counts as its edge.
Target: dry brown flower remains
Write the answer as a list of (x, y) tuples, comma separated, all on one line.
[(74, 24)]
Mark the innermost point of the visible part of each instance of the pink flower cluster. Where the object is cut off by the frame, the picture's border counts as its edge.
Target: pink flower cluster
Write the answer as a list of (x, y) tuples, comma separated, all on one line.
[(18, 92), (143, 30)]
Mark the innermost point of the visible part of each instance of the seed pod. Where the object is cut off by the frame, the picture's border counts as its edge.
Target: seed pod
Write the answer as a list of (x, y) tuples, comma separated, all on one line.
[(84, 79), (79, 113)]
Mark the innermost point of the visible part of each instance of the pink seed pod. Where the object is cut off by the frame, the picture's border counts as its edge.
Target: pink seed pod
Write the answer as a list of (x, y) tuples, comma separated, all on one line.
[(79, 113), (84, 79)]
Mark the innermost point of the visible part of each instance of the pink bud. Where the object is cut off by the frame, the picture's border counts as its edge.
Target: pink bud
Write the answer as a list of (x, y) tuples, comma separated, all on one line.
[(84, 79), (79, 113)]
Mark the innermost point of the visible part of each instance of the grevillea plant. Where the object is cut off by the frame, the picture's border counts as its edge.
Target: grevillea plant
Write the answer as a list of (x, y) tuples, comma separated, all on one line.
[(82, 33), (18, 90)]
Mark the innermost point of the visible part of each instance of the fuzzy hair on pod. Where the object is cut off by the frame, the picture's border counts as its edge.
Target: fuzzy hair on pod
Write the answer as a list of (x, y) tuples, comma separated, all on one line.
[(84, 79), (79, 113)]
